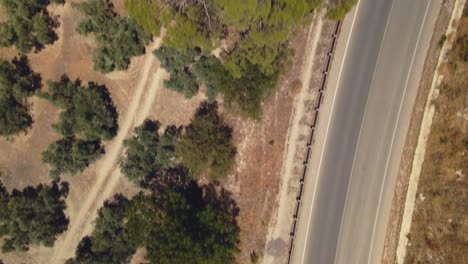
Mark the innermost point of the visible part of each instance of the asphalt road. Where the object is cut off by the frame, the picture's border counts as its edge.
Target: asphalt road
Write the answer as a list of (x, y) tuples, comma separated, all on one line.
[(361, 131)]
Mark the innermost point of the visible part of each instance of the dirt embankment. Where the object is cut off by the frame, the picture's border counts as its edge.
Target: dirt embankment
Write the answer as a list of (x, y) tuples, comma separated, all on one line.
[(263, 172), (317, 46), (260, 146)]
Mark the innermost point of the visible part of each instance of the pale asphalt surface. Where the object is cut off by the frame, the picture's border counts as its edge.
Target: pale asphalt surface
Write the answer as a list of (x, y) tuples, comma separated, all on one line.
[(361, 131)]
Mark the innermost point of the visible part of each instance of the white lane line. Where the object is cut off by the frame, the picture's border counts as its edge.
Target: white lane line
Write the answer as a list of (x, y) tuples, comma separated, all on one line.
[(326, 131), (395, 129), (362, 124)]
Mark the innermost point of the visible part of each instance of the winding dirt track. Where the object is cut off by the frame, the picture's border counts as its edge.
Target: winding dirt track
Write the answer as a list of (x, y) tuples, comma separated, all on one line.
[(108, 173)]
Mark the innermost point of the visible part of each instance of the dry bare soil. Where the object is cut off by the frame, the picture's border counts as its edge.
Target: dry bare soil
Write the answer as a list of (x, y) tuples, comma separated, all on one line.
[(138, 93)]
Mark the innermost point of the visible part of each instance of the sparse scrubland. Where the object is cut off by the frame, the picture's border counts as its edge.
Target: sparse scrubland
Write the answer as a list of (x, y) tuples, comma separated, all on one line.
[(182, 213)]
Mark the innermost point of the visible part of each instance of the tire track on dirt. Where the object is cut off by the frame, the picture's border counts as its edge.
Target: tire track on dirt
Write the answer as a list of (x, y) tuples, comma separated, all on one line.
[(108, 173)]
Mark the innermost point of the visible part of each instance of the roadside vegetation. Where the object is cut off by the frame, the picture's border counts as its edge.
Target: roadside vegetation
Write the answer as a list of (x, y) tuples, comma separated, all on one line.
[(88, 117), (255, 51), (29, 26), (206, 147), (339, 8), (253, 38), (439, 231)]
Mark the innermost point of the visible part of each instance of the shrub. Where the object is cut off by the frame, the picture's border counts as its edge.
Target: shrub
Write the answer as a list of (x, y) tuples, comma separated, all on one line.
[(340, 8), (207, 146)]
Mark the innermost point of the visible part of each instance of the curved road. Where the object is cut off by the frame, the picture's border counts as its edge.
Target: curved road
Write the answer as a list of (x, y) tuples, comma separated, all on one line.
[(361, 131)]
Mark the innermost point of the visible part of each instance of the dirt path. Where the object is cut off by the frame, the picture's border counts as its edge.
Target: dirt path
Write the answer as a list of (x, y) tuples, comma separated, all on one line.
[(108, 173)]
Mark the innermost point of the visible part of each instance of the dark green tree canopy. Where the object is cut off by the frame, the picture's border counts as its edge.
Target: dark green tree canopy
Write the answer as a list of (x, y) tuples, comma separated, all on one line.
[(71, 155), (207, 146), (109, 242), (88, 117), (176, 221), (248, 92), (190, 68), (17, 83), (33, 216), (118, 38), (192, 24), (89, 112), (254, 34), (29, 25), (185, 224), (259, 30), (211, 72), (147, 152), (249, 69), (178, 64)]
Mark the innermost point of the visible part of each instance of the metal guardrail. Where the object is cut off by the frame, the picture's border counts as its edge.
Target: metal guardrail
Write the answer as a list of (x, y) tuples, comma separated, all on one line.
[(311, 138)]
